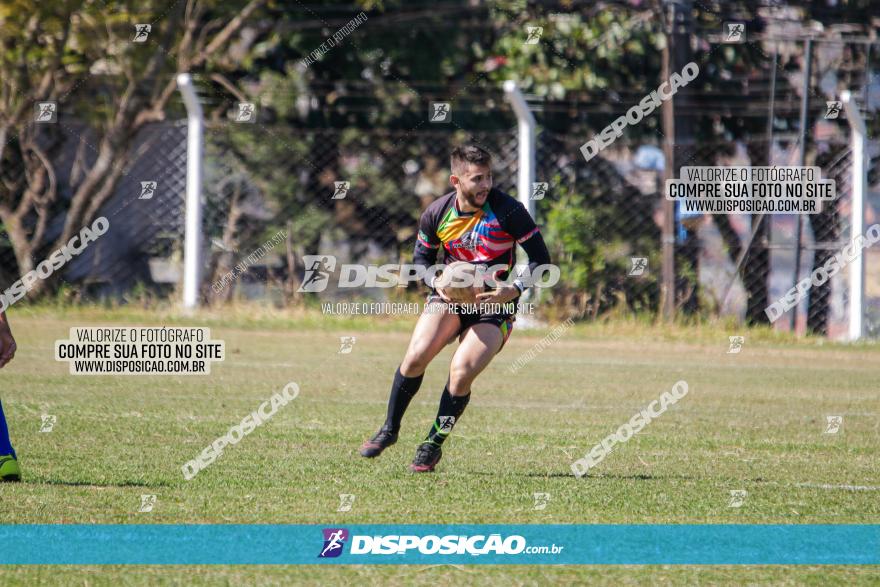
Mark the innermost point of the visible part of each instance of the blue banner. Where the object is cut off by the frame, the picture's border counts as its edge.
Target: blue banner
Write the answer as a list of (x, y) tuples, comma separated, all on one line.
[(440, 544)]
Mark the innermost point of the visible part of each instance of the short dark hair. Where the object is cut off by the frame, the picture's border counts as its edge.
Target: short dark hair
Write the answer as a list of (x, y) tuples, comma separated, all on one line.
[(464, 154)]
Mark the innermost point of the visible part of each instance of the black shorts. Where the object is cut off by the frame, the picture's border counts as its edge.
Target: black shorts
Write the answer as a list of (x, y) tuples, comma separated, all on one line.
[(469, 315)]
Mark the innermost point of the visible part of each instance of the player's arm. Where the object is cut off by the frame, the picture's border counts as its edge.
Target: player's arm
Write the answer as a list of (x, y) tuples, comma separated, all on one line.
[(519, 224), (536, 249), (427, 247), (7, 342)]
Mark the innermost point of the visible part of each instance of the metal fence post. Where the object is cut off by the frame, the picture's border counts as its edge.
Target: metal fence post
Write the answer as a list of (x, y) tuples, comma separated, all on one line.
[(193, 239), (525, 157), (802, 155), (526, 144), (859, 183)]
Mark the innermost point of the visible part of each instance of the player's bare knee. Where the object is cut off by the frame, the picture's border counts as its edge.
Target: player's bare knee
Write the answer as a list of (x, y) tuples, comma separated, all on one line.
[(458, 388), (414, 363), (460, 378)]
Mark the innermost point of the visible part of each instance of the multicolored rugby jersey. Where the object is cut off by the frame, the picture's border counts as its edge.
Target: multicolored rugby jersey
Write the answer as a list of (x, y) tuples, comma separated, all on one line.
[(488, 236)]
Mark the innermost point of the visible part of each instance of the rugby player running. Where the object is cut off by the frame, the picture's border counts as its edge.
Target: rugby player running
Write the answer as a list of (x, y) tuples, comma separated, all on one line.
[(480, 225)]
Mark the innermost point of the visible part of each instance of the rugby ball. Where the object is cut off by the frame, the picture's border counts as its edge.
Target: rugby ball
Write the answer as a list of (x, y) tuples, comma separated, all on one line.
[(453, 279)]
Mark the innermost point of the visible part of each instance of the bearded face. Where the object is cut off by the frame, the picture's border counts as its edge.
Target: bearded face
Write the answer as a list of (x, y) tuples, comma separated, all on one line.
[(474, 184)]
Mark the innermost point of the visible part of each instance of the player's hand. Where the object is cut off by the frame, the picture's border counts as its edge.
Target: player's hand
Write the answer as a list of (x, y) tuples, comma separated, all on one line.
[(502, 295), (443, 296), (7, 344)]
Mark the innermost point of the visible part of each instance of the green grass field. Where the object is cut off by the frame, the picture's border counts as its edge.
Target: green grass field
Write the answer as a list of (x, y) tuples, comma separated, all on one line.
[(752, 421)]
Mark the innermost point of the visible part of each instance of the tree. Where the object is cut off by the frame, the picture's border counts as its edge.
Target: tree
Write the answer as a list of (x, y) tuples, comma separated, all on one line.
[(83, 57)]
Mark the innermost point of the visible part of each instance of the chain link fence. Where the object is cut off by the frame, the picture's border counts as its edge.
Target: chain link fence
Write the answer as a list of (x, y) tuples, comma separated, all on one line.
[(139, 254), (274, 193)]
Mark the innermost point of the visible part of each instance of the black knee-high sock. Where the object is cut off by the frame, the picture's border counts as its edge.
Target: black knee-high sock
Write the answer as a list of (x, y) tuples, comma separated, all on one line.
[(403, 389), (451, 409)]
